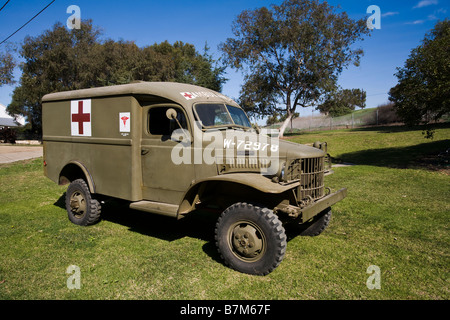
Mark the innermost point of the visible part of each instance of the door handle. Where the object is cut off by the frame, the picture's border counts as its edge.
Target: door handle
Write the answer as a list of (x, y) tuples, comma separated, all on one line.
[(144, 151)]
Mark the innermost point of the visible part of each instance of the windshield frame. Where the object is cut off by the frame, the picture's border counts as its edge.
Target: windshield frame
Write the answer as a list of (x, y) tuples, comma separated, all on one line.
[(241, 110), (233, 124)]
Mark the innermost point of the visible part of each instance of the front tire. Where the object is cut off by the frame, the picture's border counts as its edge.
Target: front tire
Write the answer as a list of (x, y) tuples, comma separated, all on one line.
[(318, 224), (250, 239), (81, 208)]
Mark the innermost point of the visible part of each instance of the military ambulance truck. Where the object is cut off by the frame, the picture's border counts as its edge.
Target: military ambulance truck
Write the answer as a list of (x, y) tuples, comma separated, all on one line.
[(171, 149)]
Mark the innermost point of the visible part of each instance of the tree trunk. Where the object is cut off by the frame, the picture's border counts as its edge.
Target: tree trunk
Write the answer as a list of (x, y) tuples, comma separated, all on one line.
[(290, 114), (285, 124)]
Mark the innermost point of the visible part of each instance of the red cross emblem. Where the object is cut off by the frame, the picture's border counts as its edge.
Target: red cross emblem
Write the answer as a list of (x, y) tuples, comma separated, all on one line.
[(81, 117), (188, 95)]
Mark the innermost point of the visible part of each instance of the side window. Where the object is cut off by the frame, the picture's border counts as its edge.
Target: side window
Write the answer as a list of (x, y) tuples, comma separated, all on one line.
[(159, 124)]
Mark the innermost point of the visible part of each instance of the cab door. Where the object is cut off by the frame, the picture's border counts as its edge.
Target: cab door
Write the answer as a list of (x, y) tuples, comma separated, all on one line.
[(164, 178)]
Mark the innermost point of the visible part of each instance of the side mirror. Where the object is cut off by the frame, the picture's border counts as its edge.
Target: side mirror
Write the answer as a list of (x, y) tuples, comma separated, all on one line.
[(171, 114)]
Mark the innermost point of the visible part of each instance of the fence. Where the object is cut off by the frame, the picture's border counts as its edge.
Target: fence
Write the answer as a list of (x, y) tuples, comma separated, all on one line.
[(360, 118)]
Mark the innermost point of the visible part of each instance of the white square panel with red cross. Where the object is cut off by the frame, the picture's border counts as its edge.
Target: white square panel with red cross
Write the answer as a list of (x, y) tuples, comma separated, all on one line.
[(80, 116)]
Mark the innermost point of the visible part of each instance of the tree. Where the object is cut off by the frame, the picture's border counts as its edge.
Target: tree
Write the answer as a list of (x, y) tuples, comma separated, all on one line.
[(291, 54), (180, 62), (60, 59), (56, 60), (276, 118), (423, 90), (7, 65), (343, 102)]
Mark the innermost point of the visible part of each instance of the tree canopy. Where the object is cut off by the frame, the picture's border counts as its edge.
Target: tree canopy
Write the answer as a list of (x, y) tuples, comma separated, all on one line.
[(423, 90), (342, 102), (61, 59), (7, 65), (291, 54)]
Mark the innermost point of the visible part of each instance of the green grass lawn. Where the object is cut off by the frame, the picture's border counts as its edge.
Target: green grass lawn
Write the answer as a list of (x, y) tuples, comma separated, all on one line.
[(395, 217)]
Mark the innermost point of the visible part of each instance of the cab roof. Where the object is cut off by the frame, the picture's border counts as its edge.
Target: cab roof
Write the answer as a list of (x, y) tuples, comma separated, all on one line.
[(182, 93)]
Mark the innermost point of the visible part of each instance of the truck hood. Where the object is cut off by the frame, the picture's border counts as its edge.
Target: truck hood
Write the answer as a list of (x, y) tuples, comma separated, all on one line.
[(241, 151), (292, 150)]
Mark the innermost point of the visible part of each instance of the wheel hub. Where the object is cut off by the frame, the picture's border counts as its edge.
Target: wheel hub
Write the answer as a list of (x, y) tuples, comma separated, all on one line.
[(77, 203), (246, 240)]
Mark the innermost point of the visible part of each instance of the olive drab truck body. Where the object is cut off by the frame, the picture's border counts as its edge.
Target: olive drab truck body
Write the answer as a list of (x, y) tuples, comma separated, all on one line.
[(171, 149)]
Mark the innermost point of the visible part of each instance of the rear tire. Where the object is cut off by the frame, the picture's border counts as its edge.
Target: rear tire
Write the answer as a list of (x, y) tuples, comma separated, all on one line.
[(81, 208), (250, 239)]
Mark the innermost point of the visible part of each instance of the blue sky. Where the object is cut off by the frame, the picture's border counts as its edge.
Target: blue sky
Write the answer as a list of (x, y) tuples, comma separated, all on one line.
[(404, 24)]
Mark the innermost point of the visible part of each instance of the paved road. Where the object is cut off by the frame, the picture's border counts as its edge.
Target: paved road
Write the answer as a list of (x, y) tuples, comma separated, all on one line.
[(16, 153)]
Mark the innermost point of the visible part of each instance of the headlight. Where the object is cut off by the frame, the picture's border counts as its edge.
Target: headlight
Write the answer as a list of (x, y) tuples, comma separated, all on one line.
[(283, 167), (280, 174)]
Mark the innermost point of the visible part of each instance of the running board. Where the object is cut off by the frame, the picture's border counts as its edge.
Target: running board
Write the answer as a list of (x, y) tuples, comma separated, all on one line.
[(165, 209)]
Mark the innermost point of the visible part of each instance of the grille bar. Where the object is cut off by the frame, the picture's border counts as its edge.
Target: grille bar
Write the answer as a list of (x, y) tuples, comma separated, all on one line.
[(312, 178), (248, 163), (310, 172)]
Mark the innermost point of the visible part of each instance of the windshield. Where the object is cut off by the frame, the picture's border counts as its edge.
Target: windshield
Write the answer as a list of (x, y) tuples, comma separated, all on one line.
[(217, 115), (239, 117)]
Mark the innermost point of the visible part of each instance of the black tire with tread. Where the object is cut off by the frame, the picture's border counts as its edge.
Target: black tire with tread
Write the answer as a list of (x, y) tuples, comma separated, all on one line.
[(267, 222), (93, 208), (317, 225)]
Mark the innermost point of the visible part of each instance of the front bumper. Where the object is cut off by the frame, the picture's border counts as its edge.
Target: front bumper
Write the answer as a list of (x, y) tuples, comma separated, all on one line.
[(318, 206), (308, 211)]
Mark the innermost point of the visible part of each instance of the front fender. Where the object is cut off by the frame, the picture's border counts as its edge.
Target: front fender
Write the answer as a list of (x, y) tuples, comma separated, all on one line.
[(253, 180)]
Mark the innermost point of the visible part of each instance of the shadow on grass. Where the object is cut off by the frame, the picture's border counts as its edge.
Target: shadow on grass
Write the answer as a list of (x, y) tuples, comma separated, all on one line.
[(198, 224), (430, 155), (380, 129), (402, 128)]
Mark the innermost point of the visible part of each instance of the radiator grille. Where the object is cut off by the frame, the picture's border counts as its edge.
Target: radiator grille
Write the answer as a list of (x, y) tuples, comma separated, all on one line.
[(310, 172), (248, 163)]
